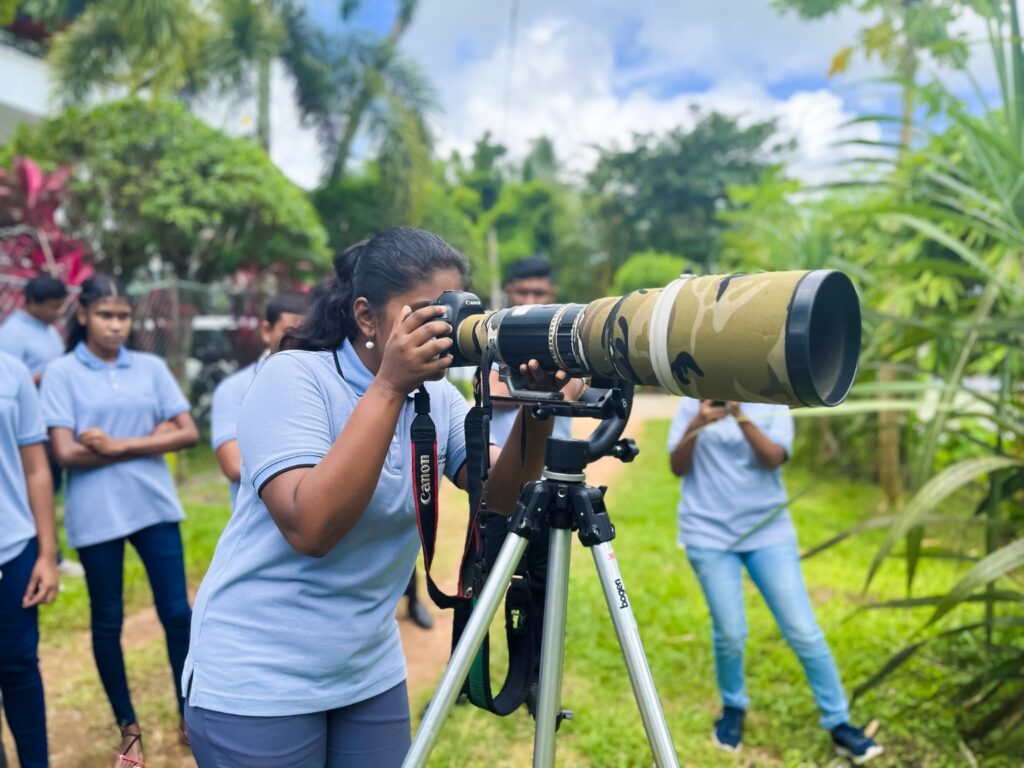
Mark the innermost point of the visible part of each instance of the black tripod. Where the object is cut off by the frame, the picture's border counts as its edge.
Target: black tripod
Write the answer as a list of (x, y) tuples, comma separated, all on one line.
[(567, 503)]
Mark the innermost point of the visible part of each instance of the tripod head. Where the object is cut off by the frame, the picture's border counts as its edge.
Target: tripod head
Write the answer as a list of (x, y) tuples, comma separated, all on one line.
[(609, 400)]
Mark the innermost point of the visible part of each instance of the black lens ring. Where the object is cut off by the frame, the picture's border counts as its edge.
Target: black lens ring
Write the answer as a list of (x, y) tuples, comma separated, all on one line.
[(817, 286)]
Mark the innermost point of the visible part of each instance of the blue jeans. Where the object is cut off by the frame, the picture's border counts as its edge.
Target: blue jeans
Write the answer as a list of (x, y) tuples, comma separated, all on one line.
[(21, 686), (159, 547), (776, 572), (374, 733)]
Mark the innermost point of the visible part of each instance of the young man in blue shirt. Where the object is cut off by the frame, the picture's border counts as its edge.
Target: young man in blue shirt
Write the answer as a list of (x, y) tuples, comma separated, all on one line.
[(28, 334), (285, 311)]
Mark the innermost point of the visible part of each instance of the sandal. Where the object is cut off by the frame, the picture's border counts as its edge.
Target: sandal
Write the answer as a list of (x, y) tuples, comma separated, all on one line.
[(132, 737)]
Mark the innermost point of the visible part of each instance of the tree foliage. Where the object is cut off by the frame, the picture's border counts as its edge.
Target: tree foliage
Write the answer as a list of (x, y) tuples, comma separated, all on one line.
[(649, 269), (151, 180), (664, 193)]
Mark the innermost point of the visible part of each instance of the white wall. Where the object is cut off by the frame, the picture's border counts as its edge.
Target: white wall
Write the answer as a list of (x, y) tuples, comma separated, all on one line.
[(24, 89)]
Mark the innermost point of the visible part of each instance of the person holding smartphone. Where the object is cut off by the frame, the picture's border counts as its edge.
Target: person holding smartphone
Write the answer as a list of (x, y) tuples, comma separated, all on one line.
[(733, 515)]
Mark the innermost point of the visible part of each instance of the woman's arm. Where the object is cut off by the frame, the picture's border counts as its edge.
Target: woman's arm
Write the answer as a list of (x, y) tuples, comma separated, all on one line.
[(95, 448), (71, 454), (316, 507), (175, 434), (510, 466), (44, 580), (770, 455), (229, 457), (681, 458)]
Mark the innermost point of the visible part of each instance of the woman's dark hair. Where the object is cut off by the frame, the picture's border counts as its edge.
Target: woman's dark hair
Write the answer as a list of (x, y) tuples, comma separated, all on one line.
[(93, 289), (388, 264)]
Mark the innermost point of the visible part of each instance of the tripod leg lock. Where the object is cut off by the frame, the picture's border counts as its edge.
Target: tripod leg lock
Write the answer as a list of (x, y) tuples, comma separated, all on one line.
[(595, 527), (531, 508)]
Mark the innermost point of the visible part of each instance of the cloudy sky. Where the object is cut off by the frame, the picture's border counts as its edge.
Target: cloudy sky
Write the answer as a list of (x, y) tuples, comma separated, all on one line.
[(594, 72)]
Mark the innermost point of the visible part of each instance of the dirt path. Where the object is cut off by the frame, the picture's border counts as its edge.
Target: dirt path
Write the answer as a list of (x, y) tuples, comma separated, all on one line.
[(78, 716)]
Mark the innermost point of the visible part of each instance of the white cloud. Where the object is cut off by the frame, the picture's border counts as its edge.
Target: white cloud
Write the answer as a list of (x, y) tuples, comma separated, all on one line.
[(562, 86), (592, 72)]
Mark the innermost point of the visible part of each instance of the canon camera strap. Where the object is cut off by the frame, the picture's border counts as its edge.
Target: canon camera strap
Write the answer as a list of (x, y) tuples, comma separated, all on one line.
[(426, 479), (517, 597), (474, 567)]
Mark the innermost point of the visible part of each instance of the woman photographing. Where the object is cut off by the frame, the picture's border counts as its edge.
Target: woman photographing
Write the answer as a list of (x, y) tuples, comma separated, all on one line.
[(295, 657)]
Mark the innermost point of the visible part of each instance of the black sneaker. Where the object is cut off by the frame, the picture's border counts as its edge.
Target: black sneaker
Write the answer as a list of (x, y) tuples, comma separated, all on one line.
[(728, 733), (420, 615), (851, 743)]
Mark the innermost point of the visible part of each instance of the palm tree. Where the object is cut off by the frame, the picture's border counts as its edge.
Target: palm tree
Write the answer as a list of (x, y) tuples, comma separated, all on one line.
[(154, 46), (390, 91), (182, 48)]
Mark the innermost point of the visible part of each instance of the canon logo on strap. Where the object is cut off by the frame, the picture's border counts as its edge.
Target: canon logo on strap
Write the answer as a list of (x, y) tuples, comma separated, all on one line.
[(426, 481)]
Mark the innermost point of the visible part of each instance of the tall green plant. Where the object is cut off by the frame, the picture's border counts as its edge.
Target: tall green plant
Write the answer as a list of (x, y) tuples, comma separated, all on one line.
[(960, 203)]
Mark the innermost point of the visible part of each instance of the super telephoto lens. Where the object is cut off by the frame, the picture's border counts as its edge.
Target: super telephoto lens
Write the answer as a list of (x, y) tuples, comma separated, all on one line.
[(773, 337)]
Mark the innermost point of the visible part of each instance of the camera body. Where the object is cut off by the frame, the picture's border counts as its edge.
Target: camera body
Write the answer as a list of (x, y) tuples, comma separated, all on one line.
[(459, 305)]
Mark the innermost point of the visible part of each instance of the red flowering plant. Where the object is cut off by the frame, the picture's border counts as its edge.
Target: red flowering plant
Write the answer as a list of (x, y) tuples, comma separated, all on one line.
[(31, 240)]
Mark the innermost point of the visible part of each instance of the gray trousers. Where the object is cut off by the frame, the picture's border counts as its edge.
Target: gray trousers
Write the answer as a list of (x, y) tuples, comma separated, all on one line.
[(369, 734)]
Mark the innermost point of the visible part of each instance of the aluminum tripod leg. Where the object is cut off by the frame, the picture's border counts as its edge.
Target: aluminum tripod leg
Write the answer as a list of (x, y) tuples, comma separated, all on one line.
[(553, 648), (633, 652), (462, 657)]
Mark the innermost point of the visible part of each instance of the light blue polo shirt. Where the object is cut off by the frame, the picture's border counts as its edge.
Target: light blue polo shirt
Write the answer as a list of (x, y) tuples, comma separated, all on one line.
[(727, 493), (21, 424), (32, 341), (126, 398), (227, 400), (275, 632)]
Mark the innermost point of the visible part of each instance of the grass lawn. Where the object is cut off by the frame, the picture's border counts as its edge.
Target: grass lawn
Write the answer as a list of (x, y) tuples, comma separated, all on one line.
[(917, 728), (917, 725)]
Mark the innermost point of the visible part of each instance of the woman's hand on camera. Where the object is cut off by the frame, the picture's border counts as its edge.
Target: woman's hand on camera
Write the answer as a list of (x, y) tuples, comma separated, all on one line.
[(416, 351), (539, 380)]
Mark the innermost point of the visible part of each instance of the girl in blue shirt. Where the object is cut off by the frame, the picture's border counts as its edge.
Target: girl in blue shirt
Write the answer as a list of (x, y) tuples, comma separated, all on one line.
[(732, 516), (295, 657), (112, 414), (28, 557)]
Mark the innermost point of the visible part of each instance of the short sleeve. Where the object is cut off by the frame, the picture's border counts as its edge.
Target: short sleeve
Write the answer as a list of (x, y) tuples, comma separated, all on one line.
[(57, 399), (457, 410), (170, 399), (684, 415), (284, 421), (227, 400), (30, 415), (780, 428)]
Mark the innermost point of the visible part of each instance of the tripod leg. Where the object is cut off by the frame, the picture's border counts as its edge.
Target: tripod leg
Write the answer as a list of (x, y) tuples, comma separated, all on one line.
[(633, 652), (552, 648), (462, 657)]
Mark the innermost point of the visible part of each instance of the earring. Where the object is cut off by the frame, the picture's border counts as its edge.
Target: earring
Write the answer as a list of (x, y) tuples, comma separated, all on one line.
[(369, 343)]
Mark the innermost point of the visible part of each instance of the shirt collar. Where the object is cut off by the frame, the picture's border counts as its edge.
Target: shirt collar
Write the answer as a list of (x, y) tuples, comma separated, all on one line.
[(355, 373), (90, 360)]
